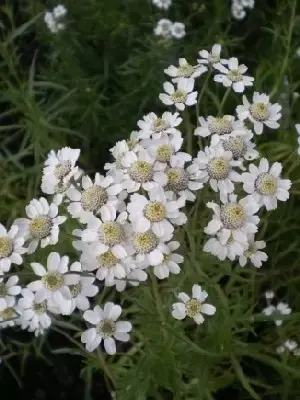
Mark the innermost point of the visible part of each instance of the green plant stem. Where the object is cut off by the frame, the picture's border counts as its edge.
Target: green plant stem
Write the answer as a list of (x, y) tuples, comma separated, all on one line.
[(220, 111)]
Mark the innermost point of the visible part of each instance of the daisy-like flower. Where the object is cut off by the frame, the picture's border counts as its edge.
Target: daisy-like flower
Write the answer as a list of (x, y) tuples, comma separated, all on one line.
[(97, 197), (224, 246), (181, 180), (153, 126), (233, 218), (233, 75), (111, 232), (213, 57), (177, 30), (170, 262), (33, 316), (261, 112), (81, 291), (253, 253), (281, 309), (165, 148), (264, 184), (163, 27), (137, 275), (289, 346), (106, 327), (42, 224), (241, 147), (8, 318), (216, 167), (193, 307), (109, 263), (219, 127), (139, 172), (8, 292), (269, 295), (10, 248), (55, 282), (60, 168), (156, 213), (182, 96), (164, 4), (184, 70)]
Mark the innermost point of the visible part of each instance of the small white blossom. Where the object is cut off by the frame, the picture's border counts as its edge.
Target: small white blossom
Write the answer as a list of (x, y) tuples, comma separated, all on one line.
[(153, 126), (182, 96), (163, 28), (184, 70), (233, 75), (170, 262), (216, 167), (10, 248), (269, 295), (213, 57), (253, 253), (106, 327), (98, 197), (177, 30), (54, 19), (193, 307), (8, 292), (42, 224), (54, 282), (8, 318), (261, 112), (233, 218), (264, 184), (281, 309), (224, 246), (164, 4), (289, 346)]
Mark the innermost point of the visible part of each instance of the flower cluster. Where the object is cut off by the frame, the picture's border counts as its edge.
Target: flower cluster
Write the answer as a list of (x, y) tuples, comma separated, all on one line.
[(238, 8), (55, 19), (126, 220), (169, 29)]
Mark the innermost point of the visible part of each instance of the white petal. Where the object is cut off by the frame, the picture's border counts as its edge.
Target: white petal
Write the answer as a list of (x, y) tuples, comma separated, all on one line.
[(110, 346), (208, 309)]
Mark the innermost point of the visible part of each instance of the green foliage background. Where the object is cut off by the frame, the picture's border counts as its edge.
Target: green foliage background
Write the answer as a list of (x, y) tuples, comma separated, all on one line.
[(87, 87)]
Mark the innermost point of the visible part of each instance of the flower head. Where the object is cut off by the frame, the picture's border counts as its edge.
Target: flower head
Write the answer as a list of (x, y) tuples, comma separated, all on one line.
[(11, 248), (184, 70), (213, 57), (182, 96), (233, 75)]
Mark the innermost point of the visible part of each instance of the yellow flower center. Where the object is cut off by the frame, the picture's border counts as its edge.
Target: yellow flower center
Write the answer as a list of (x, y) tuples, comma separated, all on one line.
[(220, 125), (164, 153), (159, 125), (111, 233), (235, 75), (179, 96), (155, 211), (93, 198), (192, 308), (6, 247), (218, 168), (53, 281), (177, 179), (40, 308), (3, 290), (145, 242), (266, 184), (106, 328), (141, 171), (185, 70), (260, 111), (107, 260), (232, 215), (236, 145), (63, 169), (40, 227)]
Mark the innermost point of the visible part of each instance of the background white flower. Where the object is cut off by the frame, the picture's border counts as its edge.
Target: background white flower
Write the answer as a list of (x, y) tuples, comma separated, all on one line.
[(184, 70), (182, 96), (233, 75), (253, 253), (8, 292), (106, 327), (212, 57), (177, 30), (193, 307), (164, 4), (163, 27), (11, 248)]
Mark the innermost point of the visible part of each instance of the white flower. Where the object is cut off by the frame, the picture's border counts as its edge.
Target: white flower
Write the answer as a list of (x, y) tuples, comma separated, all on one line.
[(42, 224), (8, 318), (109, 263), (106, 327), (180, 97), (193, 307), (254, 254), (163, 28), (269, 295), (216, 167), (261, 112), (170, 262), (137, 275), (59, 11), (264, 184), (53, 19), (234, 219), (233, 75), (181, 180), (81, 290), (33, 315), (219, 127), (98, 197), (111, 232), (184, 70), (164, 4), (290, 346), (238, 11), (153, 126), (8, 292), (177, 30), (280, 309), (213, 57), (10, 248), (139, 172), (60, 168), (54, 283), (224, 246), (156, 213)]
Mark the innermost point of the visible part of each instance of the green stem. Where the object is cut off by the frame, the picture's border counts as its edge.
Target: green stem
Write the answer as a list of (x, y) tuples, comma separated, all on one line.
[(224, 101), (204, 86)]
